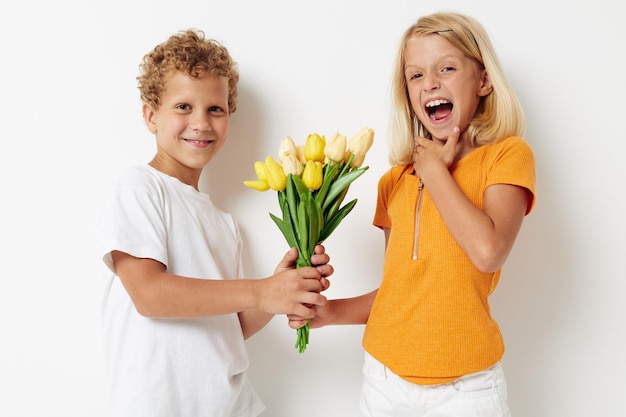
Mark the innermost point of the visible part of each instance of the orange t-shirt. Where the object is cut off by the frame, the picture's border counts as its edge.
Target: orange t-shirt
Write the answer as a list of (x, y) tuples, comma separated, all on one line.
[(431, 321)]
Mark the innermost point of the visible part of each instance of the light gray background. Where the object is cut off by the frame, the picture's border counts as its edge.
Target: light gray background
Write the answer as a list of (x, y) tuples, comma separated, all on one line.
[(71, 120)]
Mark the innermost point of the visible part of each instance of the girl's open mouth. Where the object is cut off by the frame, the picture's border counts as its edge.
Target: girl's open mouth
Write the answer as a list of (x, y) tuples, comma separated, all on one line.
[(438, 109)]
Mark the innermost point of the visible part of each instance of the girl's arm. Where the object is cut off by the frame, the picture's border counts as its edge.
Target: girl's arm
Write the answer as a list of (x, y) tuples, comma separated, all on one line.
[(486, 235), (354, 310)]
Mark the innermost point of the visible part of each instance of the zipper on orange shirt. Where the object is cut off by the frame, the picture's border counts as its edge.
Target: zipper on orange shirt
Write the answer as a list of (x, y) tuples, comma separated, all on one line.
[(418, 209)]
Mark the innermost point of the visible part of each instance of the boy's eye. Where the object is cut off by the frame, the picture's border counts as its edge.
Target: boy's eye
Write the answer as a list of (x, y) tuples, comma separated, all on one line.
[(183, 106), (215, 109), (448, 69)]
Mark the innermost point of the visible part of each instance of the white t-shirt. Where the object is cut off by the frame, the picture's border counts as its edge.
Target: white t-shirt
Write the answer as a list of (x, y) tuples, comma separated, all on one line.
[(172, 367)]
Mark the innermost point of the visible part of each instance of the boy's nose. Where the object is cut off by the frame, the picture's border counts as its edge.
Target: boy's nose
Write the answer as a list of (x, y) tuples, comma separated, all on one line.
[(200, 122)]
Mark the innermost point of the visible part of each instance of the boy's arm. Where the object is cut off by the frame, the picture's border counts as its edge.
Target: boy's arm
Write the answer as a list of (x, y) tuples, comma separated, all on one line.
[(156, 293)]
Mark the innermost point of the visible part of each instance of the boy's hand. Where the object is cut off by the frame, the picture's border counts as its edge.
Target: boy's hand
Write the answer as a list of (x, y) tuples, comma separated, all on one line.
[(294, 290), (291, 291), (319, 260)]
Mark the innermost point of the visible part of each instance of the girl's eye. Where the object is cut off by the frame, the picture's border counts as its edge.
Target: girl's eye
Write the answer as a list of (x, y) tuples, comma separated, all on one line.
[(215, 109), (183, 106), (415, 76), (448, 69)]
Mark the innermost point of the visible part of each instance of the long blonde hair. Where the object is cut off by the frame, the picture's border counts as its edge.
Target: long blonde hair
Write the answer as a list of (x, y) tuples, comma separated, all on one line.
[(499, 114)]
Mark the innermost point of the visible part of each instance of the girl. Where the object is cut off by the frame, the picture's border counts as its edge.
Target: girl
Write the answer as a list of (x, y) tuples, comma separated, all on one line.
[(450, 208)]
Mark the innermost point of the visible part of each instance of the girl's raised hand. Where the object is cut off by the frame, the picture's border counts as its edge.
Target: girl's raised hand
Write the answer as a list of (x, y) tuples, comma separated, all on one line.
[(428, 152)]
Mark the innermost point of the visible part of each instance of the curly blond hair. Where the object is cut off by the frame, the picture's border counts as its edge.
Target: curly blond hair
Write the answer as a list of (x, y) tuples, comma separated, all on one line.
[(190, 52)]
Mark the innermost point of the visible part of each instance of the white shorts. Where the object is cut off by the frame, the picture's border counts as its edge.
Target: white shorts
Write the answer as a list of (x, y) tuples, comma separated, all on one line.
[(384, 394)]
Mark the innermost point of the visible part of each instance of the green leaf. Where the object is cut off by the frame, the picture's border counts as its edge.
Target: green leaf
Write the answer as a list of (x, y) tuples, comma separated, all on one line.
[(330, 173), (341, 184), (332, 224), (315, 215), (281, 198), (332, 209), (347, 164), (291, 199), (286, 229), (303, 227), (303, 190)]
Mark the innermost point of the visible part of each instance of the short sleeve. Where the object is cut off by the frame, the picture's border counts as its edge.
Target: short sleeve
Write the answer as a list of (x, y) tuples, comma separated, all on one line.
[(132, 220), (513, 162)]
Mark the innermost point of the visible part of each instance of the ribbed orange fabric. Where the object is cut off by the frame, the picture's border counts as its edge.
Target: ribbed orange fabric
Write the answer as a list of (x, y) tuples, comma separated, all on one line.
[(431, 321)]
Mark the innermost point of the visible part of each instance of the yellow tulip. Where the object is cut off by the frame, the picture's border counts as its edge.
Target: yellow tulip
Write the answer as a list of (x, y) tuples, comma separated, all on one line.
[(362, 141), (261, 171), (314, 147), (257, 185), (336, 147), (276, 177), (313, 175)]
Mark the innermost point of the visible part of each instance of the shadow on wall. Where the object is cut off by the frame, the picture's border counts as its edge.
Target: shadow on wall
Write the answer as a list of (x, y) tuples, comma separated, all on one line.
[(222, 178)]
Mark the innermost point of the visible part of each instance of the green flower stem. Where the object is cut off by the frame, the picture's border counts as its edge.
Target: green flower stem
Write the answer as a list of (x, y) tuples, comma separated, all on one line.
[(309, 217)]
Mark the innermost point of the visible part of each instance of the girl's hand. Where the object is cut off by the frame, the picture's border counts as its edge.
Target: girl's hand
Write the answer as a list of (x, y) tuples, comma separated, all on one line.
[(428, 152), (320, 319)]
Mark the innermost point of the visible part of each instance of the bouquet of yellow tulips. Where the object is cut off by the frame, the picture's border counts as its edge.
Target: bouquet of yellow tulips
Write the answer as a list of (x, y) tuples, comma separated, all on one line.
[(312, 181)]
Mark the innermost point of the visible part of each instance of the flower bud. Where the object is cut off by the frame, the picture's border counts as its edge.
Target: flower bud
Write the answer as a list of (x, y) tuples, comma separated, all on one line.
[(257, 185), (287, 147), (291, 165), (261, 171), (357, 160), (300, 149), (362, 141), (336, 148), (313, 175), (314, 148), (276, 177), (288, 156)]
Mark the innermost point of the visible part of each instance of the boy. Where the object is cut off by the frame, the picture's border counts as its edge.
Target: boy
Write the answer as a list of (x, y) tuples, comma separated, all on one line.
[(176, 312)]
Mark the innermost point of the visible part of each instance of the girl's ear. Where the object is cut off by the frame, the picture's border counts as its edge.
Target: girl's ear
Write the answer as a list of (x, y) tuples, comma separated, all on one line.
[(485, 85), (149, 116)]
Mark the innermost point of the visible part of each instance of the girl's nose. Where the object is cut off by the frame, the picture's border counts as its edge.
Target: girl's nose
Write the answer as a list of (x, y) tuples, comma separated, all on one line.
[(430, 82)]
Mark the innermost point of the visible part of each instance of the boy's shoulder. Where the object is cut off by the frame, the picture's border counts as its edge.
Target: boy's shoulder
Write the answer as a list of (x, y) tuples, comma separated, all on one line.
[(138, 174), (140, 177)]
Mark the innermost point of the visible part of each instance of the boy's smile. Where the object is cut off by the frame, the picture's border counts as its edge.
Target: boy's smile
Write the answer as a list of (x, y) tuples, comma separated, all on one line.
[(190, 125)]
